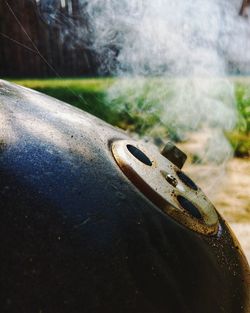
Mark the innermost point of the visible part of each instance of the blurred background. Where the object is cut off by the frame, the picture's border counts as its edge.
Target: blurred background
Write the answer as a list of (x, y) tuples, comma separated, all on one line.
[(161, 71)]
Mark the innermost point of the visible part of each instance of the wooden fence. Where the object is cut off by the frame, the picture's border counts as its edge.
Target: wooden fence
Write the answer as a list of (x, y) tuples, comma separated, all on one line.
[(37, 39)]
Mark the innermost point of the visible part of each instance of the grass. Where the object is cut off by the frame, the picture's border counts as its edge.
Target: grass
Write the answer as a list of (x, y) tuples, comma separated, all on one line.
[(136, 113), (240, 137), (86, 94)]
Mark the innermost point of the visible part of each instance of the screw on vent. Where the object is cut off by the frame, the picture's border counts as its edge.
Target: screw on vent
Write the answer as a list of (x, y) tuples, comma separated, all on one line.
[(170, 179)]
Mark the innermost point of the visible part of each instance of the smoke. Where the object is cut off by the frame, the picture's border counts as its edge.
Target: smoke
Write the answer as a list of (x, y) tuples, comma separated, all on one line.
[(70, 18), (173, 59)]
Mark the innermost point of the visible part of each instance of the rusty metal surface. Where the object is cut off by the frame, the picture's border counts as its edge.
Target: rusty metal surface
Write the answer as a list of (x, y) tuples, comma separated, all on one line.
[(154, 180), (78, 236)]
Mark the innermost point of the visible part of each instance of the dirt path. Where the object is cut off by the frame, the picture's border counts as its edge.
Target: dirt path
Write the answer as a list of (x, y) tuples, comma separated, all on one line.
[(242, 231), (233, 201), (228, 187)]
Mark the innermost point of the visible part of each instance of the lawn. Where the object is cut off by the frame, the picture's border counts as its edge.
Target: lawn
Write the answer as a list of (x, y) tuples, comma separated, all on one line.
[(90, 94), (87, 94)]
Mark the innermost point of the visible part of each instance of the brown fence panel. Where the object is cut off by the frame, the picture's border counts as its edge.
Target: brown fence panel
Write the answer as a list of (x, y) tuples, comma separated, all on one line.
[(39, 40)]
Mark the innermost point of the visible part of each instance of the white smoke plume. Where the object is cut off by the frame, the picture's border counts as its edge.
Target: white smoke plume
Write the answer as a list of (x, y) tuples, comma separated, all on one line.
[(173, 60)]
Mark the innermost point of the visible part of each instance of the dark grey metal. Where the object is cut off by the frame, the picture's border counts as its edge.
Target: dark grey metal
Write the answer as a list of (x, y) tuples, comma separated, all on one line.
[(78, 236)]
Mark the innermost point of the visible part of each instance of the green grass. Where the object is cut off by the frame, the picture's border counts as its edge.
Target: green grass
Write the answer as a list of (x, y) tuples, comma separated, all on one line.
[(240, 137), (137, 112), (86, 94)]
